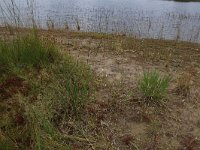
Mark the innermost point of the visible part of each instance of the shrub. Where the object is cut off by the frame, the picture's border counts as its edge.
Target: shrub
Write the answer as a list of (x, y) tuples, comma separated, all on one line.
[(154, 86)]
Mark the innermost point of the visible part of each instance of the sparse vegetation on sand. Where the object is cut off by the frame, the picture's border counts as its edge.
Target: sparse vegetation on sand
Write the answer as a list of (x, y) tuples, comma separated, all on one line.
[(53, 100), (61, 89)]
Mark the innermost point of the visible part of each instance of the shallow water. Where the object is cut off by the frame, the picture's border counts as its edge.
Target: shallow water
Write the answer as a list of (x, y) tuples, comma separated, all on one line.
[(140, 18)]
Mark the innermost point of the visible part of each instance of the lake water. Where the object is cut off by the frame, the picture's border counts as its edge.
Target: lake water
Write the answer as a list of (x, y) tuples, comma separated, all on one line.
[(140, 18)]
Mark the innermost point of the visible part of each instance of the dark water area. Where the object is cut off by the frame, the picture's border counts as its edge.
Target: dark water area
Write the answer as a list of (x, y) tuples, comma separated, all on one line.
[(140, 18)]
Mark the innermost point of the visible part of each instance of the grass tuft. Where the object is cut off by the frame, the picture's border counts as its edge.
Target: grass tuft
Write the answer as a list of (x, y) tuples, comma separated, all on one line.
[(26, 51), (154, 86), (184, 84)]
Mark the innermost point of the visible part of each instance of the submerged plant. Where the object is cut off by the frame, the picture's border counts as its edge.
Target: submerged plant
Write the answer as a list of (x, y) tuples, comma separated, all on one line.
[(154, 86)]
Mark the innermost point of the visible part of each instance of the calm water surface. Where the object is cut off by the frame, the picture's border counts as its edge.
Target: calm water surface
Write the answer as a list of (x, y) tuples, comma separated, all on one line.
[(141, 18)]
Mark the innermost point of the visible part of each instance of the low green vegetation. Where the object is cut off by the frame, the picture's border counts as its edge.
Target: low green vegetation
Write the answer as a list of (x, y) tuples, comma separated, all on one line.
[(40, 91), (154, 86), (26, 51)]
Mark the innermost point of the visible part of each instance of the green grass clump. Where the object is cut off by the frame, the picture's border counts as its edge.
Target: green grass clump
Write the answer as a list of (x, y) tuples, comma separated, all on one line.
[(154, 86), (42, 91), (26, 51)]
